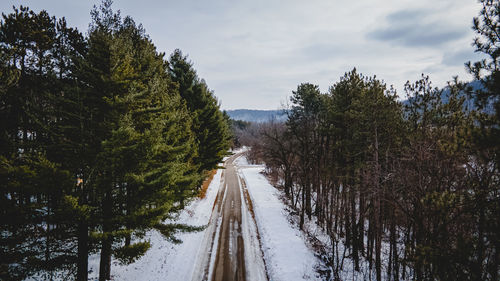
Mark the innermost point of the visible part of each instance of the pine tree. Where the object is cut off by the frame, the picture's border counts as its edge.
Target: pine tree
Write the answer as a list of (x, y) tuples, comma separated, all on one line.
[(145, 145), (99, 146), (303, 122), (35, 179), (210, 128), (485, 139)]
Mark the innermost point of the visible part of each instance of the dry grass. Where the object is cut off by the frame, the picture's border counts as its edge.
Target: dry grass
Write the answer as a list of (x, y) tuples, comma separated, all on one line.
[(206, 183), (246, 195)]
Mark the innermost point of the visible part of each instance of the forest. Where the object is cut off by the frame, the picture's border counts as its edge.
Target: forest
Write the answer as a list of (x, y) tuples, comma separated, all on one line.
[(102, 138), (405, 190)]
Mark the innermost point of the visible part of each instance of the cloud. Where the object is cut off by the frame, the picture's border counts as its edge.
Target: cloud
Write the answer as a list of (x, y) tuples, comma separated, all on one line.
[(253, 53), (414, 28), (460, 57), (406, 15), (322, 50)]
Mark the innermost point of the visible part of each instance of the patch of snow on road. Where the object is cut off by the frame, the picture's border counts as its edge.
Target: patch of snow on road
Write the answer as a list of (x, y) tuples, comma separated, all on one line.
[(286, 254), (165, 260), (213, 249)]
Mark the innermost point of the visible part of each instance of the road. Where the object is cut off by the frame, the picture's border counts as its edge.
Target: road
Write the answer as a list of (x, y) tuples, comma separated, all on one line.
[(230, 245)]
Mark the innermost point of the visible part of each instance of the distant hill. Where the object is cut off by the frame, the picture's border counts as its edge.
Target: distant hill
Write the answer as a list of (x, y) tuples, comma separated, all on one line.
[(469, 102), (257, 116), (260, 116)]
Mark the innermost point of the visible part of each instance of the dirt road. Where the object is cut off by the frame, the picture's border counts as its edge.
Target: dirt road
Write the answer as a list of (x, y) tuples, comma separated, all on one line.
[(229, 240), (230, 257)]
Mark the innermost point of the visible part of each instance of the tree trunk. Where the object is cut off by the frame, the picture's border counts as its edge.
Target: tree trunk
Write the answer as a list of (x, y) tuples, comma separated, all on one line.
[(129, 203), (308, 197), (394, 248), (302, 209), (288, 181), (378, 214), (83, 240), (354, 228), (105, 262), (480, 245), (83, 251)]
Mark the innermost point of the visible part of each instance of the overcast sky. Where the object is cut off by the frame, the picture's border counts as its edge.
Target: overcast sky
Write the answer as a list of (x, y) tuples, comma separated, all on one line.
[(254, 53)]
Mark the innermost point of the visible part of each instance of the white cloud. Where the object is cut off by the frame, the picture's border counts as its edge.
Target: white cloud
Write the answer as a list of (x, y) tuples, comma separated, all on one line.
[(253, 53)]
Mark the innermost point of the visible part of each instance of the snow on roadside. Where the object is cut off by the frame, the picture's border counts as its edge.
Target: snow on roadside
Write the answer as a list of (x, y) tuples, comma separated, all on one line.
[(286, 254), (254, 264), (165, 260)]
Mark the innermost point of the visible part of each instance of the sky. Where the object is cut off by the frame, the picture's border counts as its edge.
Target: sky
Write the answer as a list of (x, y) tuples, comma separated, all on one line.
[(254, 53)]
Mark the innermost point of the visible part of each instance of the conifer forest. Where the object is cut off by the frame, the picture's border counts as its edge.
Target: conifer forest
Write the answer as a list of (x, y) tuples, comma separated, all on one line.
[(104, 139)]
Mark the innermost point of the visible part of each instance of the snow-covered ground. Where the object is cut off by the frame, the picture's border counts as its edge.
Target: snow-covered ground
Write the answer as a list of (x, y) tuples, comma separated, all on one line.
[(287, 256), (254, 263), (165, 260), (286, 253)]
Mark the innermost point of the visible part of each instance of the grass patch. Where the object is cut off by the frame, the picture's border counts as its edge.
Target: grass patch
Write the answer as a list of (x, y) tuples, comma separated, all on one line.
[(206, 183)]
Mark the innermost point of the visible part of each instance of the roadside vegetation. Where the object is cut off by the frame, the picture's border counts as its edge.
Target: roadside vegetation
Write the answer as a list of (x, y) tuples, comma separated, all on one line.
[(101, 139), (404, 190)]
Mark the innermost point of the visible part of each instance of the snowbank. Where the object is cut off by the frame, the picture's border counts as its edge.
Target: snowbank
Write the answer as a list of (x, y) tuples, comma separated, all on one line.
[(165, 260), (286, 255)]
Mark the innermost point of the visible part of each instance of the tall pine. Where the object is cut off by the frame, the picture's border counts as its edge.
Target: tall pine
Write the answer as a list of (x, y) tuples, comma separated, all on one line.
[(209, 125)]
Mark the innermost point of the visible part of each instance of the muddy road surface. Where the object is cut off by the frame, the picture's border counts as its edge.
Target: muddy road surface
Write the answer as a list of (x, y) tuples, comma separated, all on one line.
[(230, 246), (230, 256)]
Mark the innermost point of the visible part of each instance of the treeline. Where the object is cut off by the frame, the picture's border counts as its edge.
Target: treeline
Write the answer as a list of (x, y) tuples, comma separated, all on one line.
[(101, 139), (404, 191)]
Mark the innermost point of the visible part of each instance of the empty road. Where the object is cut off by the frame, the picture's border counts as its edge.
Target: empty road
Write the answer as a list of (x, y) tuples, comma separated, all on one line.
[(227, 238)]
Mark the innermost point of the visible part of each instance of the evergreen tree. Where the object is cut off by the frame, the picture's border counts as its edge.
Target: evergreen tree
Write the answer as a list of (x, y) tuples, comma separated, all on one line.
[(145, 147), (485, 139), (303, 122), (99, 146), (209, 125), (35, 179)]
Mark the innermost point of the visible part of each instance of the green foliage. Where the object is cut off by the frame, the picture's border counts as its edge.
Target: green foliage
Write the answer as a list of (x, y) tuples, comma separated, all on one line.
[(210, 125), (35, 179), (487, 71), (240, 124), (129, 254), (169, 230), (414, 177), (238, 127), (99, 145), (33, 215)]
